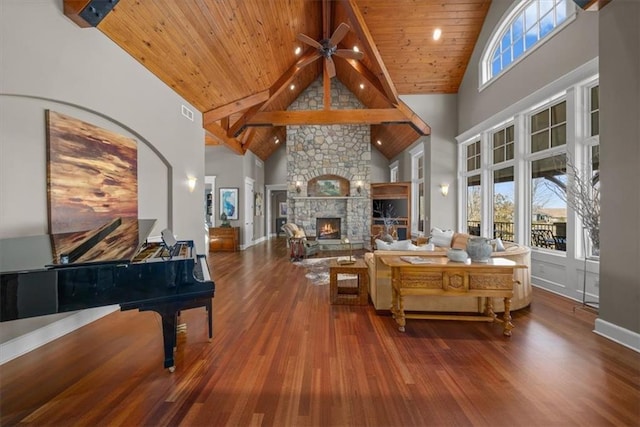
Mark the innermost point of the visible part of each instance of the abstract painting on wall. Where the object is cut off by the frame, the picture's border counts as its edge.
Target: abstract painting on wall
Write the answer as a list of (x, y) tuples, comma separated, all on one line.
[(92, 175)]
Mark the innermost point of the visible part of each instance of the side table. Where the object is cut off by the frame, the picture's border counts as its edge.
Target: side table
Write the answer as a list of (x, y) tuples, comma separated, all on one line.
[(349, 295)]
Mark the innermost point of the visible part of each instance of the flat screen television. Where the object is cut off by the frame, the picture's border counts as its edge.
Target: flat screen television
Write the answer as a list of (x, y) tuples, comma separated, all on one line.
[(390, 208)]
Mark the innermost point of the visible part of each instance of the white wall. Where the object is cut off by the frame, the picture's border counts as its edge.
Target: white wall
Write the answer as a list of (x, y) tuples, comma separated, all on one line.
[(49, 62)]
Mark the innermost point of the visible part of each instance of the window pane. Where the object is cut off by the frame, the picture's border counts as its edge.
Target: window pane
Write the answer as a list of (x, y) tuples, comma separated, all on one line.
[(473, 205), (498, 139), (531, 15), (470, 150), (595, 101), (558, 135), (540, 121), (503, 203), (506, 58), (559, 113), (540, 141), (518, 27), (531, 37), (548, 206), (518, 48), (595, 123), (546, 24), (506, 39), (471, 165), (498, 155), (495, 67), (509, 152), (545, 6), (509, 134), (561, 11)]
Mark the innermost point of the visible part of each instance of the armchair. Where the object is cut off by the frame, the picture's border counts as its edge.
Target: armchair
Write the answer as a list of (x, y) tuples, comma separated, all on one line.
[(298, 243)]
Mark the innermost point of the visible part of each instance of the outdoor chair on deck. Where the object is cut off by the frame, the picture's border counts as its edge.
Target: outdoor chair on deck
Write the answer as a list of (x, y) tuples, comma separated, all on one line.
[(300, 246)]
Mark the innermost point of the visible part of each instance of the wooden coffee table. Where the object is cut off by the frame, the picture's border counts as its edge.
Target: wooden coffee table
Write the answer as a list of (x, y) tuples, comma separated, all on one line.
[(357, 295)]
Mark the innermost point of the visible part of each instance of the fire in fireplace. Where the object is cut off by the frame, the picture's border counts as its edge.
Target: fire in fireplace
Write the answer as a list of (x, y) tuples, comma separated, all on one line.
[(328, 228)]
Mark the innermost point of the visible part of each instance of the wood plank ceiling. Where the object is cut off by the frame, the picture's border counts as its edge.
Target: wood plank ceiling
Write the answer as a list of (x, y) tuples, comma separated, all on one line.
[(234, 60)]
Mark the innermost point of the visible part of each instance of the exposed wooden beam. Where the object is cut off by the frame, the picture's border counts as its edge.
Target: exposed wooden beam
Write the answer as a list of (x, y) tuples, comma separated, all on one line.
[(592, 5), (218, 134), (326, 85), (275, 90), (72, 9), (361, 29), (329, 117), (414, 120), (236, 106)]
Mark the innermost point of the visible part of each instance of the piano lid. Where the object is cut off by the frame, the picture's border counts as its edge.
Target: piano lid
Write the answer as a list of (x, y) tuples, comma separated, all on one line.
[(34, 253)]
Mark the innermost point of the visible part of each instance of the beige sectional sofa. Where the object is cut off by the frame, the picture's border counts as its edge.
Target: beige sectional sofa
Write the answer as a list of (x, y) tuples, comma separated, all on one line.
[(380, 283)]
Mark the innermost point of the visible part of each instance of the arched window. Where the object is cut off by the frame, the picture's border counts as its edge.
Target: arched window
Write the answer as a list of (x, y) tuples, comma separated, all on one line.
[(522, 28)]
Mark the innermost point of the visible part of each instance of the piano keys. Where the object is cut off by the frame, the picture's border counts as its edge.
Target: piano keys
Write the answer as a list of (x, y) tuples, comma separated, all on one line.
[(114, 264)]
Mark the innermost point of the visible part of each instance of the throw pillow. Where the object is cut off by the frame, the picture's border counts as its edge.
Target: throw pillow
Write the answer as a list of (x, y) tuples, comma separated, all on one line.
[(423, 248), (441, 238), (400, 245)]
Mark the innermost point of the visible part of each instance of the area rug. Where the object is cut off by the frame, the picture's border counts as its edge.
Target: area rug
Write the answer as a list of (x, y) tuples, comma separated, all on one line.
[(318, 270)]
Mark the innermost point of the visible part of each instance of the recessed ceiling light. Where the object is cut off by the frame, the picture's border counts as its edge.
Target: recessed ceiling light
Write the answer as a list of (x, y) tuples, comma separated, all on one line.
[(355, 49), (379, 142), (292, 87), (298, 50), (437, 33), (361, 85)]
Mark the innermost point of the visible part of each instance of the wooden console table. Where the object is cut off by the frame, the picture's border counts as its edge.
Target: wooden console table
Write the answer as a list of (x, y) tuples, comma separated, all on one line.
[(223, 239), (439, 276)]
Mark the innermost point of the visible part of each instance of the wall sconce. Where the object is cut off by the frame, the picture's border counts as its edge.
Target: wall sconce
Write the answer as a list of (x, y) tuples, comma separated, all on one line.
[(359, 188), (192, 183), (298, 189), (444, 189)]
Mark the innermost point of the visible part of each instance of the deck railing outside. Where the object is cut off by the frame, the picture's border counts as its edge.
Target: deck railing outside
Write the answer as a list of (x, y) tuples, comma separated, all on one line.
[(543, 235)]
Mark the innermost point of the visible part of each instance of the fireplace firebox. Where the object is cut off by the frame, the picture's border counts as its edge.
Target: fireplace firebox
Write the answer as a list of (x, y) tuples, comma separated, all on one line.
[(328, 228)]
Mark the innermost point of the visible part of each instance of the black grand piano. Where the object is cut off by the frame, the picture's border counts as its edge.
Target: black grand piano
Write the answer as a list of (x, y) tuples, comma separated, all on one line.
[(113, 264)]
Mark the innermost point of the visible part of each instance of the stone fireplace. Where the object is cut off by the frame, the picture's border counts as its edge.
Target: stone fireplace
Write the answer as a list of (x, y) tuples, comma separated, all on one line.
[(328, 228), (342, 152)]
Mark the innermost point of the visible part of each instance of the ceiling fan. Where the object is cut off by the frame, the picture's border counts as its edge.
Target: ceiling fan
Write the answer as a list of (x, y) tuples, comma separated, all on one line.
[(327, 48)]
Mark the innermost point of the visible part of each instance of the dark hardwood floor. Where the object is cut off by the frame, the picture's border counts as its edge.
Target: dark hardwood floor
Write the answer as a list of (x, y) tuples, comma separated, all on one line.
[(281, 355)]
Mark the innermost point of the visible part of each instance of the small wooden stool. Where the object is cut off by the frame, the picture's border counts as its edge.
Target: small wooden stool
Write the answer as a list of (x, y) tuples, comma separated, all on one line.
[(349, 295)]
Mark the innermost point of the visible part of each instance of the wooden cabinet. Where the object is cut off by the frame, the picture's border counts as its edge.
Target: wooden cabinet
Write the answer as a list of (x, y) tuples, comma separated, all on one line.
[(391, 202), (224, 239)]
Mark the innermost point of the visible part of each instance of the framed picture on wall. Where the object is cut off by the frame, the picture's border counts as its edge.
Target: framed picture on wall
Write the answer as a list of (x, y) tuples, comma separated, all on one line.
[(229, 202), (283, 209)]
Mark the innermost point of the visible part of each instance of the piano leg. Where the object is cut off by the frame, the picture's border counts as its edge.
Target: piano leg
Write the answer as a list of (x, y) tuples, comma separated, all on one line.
[(169, 335)]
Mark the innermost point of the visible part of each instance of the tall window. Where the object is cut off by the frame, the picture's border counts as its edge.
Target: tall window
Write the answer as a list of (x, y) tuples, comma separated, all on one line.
[(504, 203), (417, 190), (474, 200), (548, 130), (526, 24), (593, 249)]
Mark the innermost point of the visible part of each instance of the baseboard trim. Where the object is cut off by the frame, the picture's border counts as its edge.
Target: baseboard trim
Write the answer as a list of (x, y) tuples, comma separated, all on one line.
[(618, 334), (41, 336)]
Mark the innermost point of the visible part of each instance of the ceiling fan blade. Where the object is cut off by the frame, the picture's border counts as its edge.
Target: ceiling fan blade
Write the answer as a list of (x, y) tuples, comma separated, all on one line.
[(308, 40), (339, 34), (306, 61), (330, 66), (348, 53)]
